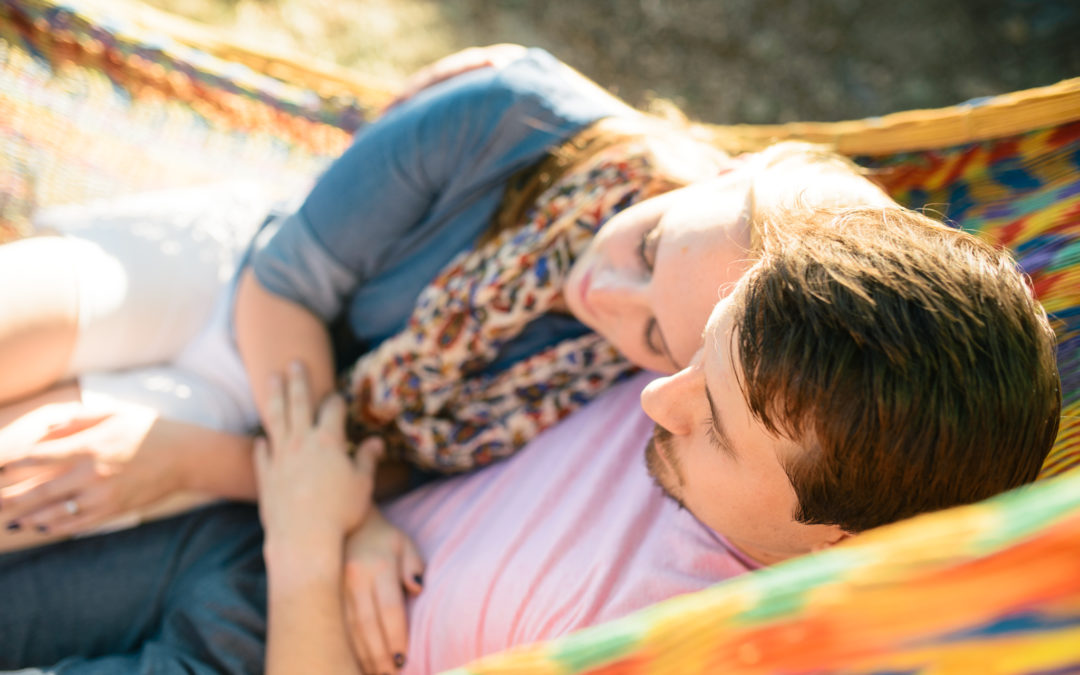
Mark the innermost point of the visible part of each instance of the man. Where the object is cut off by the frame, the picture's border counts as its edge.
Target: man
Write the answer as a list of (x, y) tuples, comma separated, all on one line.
[(870, 366), (865, 369)]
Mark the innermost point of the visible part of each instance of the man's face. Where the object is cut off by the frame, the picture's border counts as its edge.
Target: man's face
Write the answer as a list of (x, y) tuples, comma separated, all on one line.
[(711, 455)]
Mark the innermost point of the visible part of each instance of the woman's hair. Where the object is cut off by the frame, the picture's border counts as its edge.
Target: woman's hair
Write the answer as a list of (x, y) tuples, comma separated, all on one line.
[(909, 359), (680, 157)]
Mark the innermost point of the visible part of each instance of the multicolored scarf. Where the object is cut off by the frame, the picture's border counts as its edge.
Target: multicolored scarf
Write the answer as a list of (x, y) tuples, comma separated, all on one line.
[(426, 389)]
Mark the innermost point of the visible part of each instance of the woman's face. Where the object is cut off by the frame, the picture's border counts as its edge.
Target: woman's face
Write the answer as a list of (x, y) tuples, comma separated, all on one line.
[(651, 276)]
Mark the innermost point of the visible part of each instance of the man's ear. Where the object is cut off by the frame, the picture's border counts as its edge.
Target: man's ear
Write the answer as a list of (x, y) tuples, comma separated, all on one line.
[(834, 536)]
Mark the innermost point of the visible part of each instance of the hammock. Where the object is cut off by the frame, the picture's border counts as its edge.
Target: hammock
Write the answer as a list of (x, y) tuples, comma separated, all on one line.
[(993, 586)]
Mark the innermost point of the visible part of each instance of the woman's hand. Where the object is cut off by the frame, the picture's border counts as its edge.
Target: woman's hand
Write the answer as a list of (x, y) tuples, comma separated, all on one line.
[(473, 58), (86, 466), (312, 491), (381, 565)]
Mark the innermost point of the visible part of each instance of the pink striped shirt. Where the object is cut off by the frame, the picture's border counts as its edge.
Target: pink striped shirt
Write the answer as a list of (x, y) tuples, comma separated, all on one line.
[(568, 533)]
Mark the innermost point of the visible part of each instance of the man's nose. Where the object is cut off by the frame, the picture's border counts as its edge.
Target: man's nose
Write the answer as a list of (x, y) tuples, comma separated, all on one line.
[(670, 400)]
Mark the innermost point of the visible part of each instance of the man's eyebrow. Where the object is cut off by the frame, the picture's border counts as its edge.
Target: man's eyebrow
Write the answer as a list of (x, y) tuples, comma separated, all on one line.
[(718, 426)]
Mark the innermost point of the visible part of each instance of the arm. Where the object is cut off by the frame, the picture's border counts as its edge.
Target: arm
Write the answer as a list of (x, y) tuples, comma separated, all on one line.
[(306, 631), (423, 178), (272, 332), (121, 461), (311, 493), (358, 218)]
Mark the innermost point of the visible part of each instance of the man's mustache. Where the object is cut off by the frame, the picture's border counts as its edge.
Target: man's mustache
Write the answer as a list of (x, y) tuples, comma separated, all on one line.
[(660, 456), (662, 464)]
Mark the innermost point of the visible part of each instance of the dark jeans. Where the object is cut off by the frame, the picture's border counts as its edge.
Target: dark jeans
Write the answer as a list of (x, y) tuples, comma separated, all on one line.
[(183, 595)]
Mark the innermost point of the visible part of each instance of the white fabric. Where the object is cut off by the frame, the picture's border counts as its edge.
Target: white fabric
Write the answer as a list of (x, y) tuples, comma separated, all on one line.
[(155, 276)]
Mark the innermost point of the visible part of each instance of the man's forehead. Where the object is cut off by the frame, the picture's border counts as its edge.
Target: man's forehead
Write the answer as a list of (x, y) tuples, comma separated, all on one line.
[(716, 329)]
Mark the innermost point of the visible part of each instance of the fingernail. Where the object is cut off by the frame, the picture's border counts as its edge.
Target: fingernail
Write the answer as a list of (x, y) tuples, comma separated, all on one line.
[(13, 526), (419, 579), (399, 660), (42, 528)]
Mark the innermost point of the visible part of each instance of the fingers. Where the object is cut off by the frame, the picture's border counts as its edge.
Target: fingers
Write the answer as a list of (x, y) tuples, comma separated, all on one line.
[(80, 421), (299, 416), (411, 568), (390, 602), (497, 55), (16, 470), (262, 463), (19, 501), (289, 409), (368, 454), (332, 418), (71, 515), (356, 639), (368, 634), (277, 427)]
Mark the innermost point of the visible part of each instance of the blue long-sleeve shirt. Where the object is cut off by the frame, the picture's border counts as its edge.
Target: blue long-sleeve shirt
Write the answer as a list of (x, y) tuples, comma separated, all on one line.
[(419, 186)]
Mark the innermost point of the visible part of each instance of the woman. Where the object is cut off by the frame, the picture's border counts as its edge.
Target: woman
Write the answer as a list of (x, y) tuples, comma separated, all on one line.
[(456, 249)]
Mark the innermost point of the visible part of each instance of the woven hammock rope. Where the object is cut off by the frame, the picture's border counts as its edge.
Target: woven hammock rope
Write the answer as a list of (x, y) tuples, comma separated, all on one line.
[(94, 105)]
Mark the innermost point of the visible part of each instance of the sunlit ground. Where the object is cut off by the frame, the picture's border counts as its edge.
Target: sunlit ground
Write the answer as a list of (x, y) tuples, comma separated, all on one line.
[(722, 60)]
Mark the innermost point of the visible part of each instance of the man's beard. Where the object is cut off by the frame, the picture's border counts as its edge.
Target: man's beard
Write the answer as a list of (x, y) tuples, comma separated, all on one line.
[(666, 474)]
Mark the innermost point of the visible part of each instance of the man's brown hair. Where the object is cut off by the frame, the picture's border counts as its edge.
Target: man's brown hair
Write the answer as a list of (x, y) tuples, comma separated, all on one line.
[(908, 359)]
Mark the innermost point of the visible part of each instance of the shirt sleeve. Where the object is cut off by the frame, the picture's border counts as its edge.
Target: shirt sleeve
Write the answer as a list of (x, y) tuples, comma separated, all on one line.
[(370, 208)]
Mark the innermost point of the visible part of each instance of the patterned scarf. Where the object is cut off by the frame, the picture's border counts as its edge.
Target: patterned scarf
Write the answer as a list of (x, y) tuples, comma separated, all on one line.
[(425, 389)]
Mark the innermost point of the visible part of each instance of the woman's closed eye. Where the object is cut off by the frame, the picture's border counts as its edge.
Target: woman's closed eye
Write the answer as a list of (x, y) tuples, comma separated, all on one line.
[(654, 337), (650, 241)]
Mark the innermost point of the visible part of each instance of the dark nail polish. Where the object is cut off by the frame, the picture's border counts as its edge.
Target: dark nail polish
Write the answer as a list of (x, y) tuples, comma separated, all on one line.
[(13, 526), (43, 529), (399, 660), (419, 579)]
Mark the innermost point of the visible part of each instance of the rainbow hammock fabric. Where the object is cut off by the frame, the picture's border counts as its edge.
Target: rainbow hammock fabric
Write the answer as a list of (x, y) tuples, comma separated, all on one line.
[(94, 104)]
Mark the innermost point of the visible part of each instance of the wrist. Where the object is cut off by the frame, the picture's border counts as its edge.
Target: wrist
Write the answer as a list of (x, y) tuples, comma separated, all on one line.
[(167, 456), (208, 462), (295, 564)]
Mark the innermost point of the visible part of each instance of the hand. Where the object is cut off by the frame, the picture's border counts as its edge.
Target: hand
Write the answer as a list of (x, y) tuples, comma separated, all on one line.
[(85, 466), (381, 563), (473, 58), (311, 490)]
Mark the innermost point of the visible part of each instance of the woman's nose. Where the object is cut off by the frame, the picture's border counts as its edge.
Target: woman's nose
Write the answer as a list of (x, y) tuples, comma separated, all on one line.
[(616, 294), (669, 400)]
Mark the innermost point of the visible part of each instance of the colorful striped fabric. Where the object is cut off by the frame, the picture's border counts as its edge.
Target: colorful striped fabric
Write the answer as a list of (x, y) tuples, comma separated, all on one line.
[(90, 108), (93, 106)]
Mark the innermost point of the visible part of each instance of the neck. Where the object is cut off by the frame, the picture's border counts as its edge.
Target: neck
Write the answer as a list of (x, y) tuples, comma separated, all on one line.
[(758, 556)]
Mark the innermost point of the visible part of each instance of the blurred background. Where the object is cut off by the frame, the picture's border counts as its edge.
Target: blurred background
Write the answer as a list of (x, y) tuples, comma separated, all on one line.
[(725, 61)]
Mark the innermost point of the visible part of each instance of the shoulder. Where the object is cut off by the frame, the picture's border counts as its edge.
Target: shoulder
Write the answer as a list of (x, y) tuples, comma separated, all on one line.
[(535, 84)]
